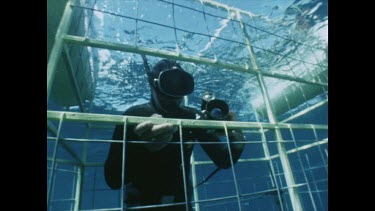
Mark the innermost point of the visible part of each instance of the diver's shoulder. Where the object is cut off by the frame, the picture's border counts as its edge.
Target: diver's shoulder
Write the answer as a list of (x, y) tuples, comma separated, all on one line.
[(139, 110), (192, 111), (189, 109)]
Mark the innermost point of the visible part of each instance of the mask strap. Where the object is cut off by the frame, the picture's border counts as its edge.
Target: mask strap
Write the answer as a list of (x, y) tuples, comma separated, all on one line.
[(147, 68)]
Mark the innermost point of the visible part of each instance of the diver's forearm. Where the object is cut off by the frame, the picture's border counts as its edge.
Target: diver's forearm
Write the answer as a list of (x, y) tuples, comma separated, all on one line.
[(112, 173)]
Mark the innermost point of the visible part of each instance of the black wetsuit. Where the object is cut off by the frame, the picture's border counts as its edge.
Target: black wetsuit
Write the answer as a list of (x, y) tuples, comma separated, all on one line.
[(151, 175)]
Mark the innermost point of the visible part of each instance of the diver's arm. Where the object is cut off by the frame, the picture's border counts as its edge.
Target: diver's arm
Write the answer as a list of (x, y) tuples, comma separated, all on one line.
[(236, 135), (143, 131), (149, 131), (236, 148), (113, 164), (219, 153)]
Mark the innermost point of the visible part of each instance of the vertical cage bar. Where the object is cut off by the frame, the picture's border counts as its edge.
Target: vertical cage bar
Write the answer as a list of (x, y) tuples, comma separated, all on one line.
[(69, 149), (53, 187), (294, 196), (294, 74), (174, 29), (82, 169), (74, 185), (53, 165), (194, 177), (193, 170), (187, 197), (208, 31), (72, 78), (90, 21), (326, 152), (288, 173), (77, 197), (123, 164), (320, 149), (313, 180), (232, 164), (136, 23), (320, 65), (303, 169), (93, 189), (58, 46), (272, 169)]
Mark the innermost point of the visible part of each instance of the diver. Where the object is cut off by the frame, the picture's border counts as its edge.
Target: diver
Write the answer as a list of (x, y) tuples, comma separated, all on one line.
[(154, 171)]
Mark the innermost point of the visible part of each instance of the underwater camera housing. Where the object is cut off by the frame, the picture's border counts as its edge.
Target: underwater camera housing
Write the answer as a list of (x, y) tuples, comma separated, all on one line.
[(214, 109)]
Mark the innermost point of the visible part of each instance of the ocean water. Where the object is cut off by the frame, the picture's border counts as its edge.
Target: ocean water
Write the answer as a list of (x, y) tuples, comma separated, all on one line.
[(288, 37)]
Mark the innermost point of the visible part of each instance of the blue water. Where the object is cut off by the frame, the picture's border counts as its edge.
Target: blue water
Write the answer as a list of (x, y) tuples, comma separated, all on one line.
[(121, 83)]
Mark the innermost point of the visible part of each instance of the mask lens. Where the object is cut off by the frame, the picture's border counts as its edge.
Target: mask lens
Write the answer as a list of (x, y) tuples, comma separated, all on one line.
[(176, 83), (216, 113), (217, 109)]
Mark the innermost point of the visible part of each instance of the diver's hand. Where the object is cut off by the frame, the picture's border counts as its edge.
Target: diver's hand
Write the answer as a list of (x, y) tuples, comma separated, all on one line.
[(149, 131), (232, 116)]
